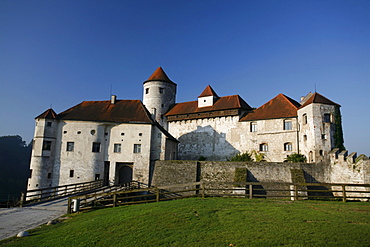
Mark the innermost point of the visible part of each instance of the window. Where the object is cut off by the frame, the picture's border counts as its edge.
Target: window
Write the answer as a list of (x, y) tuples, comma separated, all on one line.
[(140, 134), (137, 148), (305, 137), (323, 136), (288, 146), (117, 148), (327, 118), (264, 147), (321, 153), (287, 125), (48, 124), (70, 146), (253, 127), (146, 90), (96, 147), (49, 175), (30, 176), (97, 176), (46, 145), (161, 90), (71, 173), (304, 118)]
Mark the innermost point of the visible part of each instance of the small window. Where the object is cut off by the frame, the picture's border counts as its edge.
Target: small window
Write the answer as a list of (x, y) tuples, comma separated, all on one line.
[(305, 137), (264, 147), (46, 145), (327, 118), (96, 147), (305, 118), (122, 134), (159, 135), (146, 90), (65, 132), (30, 173), (161, 90), (117, 148), (253, 127), (93, 132), (48, 124), (78, 132), (140, 134), (49, 175), (137, 148), (287, 125), (288, 146), (97, 176), (70, 146), (323, 136), (321, 153), (71, 173)]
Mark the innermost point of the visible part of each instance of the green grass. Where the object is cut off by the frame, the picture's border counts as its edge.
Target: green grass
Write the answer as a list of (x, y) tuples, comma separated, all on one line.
[(211, 222)]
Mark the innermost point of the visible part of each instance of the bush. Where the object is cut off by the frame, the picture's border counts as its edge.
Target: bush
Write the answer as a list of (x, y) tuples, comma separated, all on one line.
[(242, 157), (296, 158)]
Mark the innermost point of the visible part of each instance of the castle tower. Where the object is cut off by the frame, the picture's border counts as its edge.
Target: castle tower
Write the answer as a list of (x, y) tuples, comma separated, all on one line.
[(317, 118), (43, 150), (159, 95)]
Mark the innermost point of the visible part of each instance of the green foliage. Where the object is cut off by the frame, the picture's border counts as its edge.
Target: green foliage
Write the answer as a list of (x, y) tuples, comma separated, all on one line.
[(296, 158), (242, 157), (211, 222), (259, 157), (15, 157), (338, 134), (202, 158)]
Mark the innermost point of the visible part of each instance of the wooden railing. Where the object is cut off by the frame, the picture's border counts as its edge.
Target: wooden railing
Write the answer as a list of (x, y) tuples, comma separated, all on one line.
[(44, 194), (134, 193)]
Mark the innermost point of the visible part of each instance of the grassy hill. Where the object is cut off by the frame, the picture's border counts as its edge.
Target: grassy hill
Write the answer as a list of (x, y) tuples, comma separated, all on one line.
[(211, 222)]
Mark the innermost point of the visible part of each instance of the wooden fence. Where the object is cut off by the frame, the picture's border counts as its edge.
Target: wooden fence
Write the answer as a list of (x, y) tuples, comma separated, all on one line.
[(49, 193), (133, 193)]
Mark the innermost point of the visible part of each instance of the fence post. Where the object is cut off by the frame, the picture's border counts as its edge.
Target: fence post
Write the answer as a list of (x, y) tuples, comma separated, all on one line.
[(23, 199), (114, 200), (203, 190), (69, 206), (295, 192), (344, 193), (250, 191), (157, 195)]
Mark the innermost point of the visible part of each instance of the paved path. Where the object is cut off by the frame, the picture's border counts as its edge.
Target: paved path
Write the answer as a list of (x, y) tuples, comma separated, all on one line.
[(14, 220)]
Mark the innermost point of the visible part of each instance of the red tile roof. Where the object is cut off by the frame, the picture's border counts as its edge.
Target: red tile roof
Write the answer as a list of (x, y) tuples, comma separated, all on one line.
[(122, 111), (208, 91), (318, 98), (223, 103), (159, 75), (48, 114), (279, 107)]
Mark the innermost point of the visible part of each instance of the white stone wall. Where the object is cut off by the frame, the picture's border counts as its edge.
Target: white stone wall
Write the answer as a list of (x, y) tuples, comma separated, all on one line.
[(222, 137)]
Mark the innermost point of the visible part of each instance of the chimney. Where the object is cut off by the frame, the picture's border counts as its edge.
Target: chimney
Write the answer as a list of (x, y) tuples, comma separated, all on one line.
[(113, 99)]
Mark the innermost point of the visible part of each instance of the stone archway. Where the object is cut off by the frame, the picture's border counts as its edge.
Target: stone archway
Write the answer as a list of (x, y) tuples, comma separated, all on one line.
[(124, 173)]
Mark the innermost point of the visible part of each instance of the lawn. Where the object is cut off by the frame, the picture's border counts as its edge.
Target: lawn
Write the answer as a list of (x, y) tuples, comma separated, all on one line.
[(211, 222)]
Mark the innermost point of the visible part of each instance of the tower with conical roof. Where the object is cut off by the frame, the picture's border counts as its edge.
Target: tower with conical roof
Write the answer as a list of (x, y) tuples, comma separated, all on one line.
[(159, 94)]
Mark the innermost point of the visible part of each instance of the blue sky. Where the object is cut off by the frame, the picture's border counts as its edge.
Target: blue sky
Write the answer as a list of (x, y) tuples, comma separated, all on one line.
[(59, 53)]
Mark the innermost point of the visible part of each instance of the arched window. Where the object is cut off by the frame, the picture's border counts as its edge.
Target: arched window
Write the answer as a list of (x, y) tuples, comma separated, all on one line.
[(288, 146), (253, 127), (264, 147), (304, 118)]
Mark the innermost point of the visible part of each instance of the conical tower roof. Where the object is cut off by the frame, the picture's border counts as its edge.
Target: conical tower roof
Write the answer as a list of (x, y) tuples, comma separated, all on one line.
[(159, 75), (48, 114), (208, 91)]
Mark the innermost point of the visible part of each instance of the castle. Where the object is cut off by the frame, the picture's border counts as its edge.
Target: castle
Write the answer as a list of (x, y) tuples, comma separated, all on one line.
[(120, 140)]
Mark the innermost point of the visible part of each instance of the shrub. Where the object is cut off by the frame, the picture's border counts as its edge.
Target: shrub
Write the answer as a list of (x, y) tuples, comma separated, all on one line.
[(296, 158), (242, 157)]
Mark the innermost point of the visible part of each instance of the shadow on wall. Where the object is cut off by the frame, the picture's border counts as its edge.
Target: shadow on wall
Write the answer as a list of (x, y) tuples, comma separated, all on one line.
[(205, 141), (315, 195)]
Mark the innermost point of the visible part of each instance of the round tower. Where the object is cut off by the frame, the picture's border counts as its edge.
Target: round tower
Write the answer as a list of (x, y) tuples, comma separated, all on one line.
[(159, 94)]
